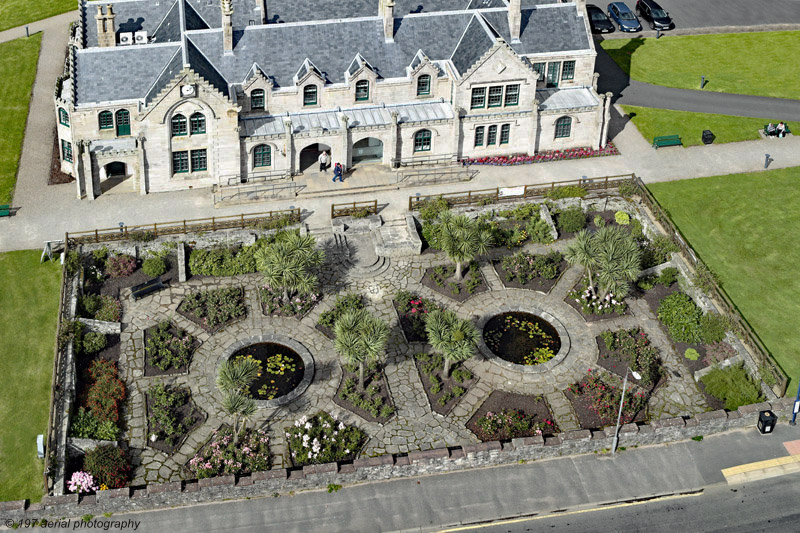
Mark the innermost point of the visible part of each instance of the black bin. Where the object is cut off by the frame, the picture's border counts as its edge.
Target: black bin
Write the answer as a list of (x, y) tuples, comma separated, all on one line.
[(708, 137), (766, 421)]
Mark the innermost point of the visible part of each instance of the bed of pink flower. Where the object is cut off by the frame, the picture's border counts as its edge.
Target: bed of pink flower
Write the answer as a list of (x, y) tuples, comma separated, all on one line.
[(551, 155), (223, 455)]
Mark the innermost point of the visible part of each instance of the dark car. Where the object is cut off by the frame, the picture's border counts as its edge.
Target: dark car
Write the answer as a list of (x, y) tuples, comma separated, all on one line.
[(624, 17), (657, 17), (598, 20)]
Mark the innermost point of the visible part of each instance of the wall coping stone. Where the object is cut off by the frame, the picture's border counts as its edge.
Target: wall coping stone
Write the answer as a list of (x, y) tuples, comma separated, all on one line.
[(482, 447), (438, 453), (159, 488), (646, 428), (674, 422), (578, 434), (325, 468), (113, 493), (88, 499), (15, 505), (217, 481), (347, 469), (402, 461), (244, 481), (711, 415), (296, 475), (62, 499)]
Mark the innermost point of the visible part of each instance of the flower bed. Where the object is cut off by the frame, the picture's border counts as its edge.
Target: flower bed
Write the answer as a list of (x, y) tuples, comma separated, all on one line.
[(323, 439), (440, 279), (273, 304), (171, 416), (374, 403), (443, 392), (224, 455), (550, 155), (630, 348), (412, 310), (214, 309), (595, 306), (168, 349), (596, 402), (345, 302), (98, 414), (100, 307), (505, 416), (528, 271)]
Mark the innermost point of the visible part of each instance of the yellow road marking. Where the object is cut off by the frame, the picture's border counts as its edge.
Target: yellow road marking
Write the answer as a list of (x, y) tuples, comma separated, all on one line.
[(760, 465), (568, 513)]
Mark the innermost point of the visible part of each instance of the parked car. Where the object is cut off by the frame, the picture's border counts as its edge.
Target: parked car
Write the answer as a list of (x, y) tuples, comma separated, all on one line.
[(624, 17), (598, 20), (657, 17)]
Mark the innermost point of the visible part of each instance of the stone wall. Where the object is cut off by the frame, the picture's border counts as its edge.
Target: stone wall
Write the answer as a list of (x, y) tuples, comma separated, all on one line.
[(100, 326), (281, 480)]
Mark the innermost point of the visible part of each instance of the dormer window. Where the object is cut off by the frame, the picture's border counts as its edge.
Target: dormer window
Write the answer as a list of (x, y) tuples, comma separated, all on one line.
[(362, 91), (310, 94), (424, 85), (257, 99)]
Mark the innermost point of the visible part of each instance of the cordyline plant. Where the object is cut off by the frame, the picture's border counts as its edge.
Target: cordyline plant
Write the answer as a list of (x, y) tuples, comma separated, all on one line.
[(287, 263), (360, 337), (461, 238), (453, 337), (233, 382), (610, 256)]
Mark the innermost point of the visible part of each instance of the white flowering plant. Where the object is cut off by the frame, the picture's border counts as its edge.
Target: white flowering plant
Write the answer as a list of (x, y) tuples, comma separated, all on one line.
[(323, 439), (594, 303)]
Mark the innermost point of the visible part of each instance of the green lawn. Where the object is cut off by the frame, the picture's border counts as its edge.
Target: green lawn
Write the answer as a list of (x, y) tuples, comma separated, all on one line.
[(653, 122), (18, 12), (763, 63), (18, 59), (744, 226), (29, 301)]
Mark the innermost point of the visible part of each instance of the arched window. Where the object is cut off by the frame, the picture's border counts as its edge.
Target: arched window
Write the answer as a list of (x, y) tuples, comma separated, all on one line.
[(262, 156), (197, 124), (123, 122), (63, 116), (423, 85), (106, 120), (362, 90), (563, 127), (310, 95), (422, 141), (257, 99), (178, 125)]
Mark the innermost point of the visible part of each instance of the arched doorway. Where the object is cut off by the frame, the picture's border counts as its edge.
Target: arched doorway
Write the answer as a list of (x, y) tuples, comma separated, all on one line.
[(114, 178), (369, 150), (309, 157)]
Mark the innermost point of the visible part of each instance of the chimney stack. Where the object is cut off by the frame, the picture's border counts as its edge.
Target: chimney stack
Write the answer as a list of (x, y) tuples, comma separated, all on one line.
[(386, 8), (261, 5), (515, 19), (227, 26), (106, 34)]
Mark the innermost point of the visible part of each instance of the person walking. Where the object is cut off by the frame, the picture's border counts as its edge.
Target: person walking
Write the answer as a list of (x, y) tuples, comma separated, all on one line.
[(323, 161), (337, 172)]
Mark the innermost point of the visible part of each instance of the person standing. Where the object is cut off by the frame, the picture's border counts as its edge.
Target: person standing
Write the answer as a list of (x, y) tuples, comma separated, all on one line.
[(323, 161)]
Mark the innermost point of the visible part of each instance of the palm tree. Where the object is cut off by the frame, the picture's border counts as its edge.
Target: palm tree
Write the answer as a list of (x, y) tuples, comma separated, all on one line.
[(286, 263), (462, 239), (453, 337), (618, 260), (237, 375), (582, 252), (360, 337), (240, 407)]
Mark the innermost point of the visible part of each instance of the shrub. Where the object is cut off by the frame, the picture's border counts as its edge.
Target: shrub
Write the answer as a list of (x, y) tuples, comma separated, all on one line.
[(100, 307), (94, 342), (636, 229), (657, 251), (691, 354), (100, 255), (106, 391), (120, 266), (571, 220), (622, 218), (713, 327), (430, 209), (165, 420), (634, 346), (567, 191), (599, 221), (216, 306), (343, 303), (226, 261), (154, 266), (733, 385), (604, 399), (72, 262), (322, 439), (80, 483), (526, 267), (706, 279), (681, 316), (522, 212), (510, 423), (628, 188), (165, 349), (109, 466), (223, 455), (85, 426), (767, 374), (668, 276), (539, 231)]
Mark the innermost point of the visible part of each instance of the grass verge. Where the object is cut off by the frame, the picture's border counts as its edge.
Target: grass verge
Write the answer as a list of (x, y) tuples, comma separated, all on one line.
[(29, 294), (653, 122), (744, 227), (762, 63), (15, 13), (18, 60)]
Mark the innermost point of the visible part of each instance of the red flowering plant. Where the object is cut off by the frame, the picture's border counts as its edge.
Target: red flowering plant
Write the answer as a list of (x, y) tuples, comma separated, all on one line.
[(634, 346), (512, 423), (413, 310), (552, 155), (604, 399), (106, 392)]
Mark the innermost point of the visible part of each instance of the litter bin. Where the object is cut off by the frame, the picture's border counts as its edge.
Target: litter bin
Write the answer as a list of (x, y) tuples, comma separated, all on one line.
[(766, 421), (708, 137)]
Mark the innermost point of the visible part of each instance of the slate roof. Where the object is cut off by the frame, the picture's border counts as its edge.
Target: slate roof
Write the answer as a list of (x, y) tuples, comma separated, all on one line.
[(475, 41), (543, 30), (569, 98)]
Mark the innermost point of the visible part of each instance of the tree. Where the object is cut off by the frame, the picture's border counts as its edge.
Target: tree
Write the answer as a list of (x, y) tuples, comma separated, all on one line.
[(453, 337), (618, 260), (287, 262), (582, 252), (240, 407), (461, 238), (360, 337), (233, 381)]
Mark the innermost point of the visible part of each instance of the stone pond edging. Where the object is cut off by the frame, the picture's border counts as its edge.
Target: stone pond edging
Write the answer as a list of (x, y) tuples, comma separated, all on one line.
[(439, 460)]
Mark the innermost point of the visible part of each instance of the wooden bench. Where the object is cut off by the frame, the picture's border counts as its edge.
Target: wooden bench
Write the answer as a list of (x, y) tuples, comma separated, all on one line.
[(666, 140), (5, 210), (786, 132), (143, 289)]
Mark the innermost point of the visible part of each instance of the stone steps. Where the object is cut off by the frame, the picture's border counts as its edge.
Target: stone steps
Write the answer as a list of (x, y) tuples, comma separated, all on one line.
[(562, 411), (491, 277)]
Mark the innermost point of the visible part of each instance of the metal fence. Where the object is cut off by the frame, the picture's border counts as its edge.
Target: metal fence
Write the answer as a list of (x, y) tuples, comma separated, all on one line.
[(147, 232), (430, 176), (358, 209)]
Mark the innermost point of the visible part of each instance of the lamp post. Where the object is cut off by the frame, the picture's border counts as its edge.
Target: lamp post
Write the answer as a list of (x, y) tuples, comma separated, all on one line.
[(621, 401)]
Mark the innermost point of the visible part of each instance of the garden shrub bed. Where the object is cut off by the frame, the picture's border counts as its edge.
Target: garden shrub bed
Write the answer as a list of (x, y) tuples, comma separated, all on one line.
[(323, 439), (596, 402), (99, 307), (221, 455), (535, 411), (613, 311), (732, 387), (430, 367), (100, 395), (327, 320), (273, 304), (439, 279), (411, 310), (221, 261), (214, 309), (167, 345), (646, 361), (374, 403), (529, 276), (171, 415), (111, 286)]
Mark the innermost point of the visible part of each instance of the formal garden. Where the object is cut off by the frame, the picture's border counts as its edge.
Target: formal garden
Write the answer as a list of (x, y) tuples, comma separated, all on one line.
[(516, 320)]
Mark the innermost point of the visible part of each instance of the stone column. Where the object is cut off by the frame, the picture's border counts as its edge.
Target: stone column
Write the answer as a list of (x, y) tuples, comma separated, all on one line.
[(393, 142), (288, 148), (388, 20), (88, 171), (261, 5), (80, 176), (345, 157), (606, 120), (535, 126), (227, 26), (595, 77), (515, 19), (458, 113), (142, 165)]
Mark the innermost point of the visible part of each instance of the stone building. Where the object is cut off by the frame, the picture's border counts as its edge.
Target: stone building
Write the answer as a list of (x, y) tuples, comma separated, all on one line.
[(177, 94)]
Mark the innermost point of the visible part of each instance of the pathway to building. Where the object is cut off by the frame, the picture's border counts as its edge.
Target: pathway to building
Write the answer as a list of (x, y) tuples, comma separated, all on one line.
[(45, 212)]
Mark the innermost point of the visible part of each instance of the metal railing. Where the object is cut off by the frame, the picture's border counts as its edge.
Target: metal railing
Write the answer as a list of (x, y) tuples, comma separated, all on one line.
[(256, 177), (420, 160), (435, 175), (252, 192), (502, 194), (149, 231), (358, 209)]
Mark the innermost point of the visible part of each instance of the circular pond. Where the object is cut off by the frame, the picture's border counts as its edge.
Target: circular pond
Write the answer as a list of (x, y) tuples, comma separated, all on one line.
[(521, 338), (287, 368)]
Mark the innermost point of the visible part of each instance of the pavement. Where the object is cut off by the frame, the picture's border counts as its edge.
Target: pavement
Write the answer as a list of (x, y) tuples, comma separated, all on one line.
[(483, 495)]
